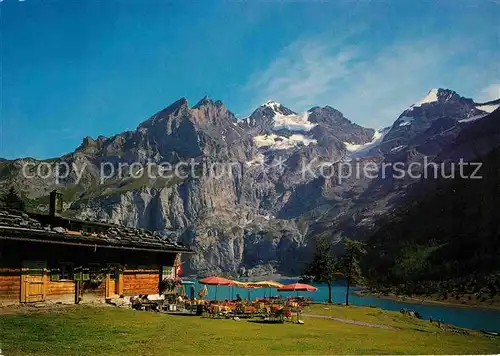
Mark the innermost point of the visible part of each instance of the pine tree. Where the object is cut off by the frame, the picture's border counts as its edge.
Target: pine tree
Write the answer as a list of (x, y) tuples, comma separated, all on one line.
[(323, 267), (349, 263)]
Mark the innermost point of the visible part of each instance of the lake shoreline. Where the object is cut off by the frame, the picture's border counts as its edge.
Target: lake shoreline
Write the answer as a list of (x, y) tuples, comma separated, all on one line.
[(427, 301)]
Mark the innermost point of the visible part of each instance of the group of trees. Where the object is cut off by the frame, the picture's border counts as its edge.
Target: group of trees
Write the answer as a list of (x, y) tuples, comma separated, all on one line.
[(326, 267), (11, 200), (442, 243)]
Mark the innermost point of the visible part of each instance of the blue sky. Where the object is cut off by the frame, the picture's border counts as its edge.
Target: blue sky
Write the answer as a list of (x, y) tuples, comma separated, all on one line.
[(86, 68)]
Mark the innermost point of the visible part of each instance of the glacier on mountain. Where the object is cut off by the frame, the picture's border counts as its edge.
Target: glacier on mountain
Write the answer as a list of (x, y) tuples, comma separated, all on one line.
[(378, 136), (276, 142), (488, 108)]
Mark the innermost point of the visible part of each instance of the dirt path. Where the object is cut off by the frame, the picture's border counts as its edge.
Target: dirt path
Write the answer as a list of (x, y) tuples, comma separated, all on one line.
[(350, 321)]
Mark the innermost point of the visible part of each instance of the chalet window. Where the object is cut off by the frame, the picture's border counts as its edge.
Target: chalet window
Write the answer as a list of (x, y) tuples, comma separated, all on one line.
[(34, 268), (54, 274), (86, 274), (81, 273), (66, 271)]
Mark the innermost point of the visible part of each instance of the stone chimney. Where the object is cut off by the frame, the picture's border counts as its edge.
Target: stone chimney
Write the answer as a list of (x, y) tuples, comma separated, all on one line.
[(55, 203)]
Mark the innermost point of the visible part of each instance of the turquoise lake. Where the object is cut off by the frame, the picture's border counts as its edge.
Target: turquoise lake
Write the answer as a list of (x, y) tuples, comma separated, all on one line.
[(473, 318)]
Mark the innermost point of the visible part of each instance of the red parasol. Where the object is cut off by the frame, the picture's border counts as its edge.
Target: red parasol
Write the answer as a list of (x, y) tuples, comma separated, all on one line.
[(297, 287), (216, 281)]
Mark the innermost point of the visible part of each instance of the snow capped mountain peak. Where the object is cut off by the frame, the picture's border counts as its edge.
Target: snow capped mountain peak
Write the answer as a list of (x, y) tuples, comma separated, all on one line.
[(285, 119), (276, 107), (271, 104), (275, 117), (441, 95), (437, 95), (431, 97), (273, 107)]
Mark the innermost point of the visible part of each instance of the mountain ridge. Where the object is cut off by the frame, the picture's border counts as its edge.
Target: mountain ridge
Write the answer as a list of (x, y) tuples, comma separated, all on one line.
[(257, 215)]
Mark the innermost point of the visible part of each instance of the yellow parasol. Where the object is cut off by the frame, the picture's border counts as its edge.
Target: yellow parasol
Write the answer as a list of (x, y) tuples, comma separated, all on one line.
[(265, 284), (235, 284), (238, 284)]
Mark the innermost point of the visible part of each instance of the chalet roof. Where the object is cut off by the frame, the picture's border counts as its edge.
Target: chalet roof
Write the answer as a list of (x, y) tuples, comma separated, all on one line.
[(16, 225)]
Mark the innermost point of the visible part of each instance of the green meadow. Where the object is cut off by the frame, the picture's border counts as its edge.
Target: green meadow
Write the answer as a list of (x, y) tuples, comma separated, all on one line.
[(102, 330)]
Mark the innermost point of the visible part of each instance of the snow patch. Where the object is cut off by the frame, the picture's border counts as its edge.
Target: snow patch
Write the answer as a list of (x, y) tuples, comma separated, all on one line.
[(257, 161), (281, 142), (378, 136), (431, 97), (473, 118), (352, 147), (272, 104), (405, 121), (293, 122), (488, 108), (398, 148), (264, 140)]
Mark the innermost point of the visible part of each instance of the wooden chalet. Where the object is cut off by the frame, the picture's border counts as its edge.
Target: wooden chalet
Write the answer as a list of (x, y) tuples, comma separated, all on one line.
[(49, 258)]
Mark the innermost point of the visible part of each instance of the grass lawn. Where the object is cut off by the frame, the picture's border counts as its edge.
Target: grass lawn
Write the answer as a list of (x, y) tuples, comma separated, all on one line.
[(100, 330)]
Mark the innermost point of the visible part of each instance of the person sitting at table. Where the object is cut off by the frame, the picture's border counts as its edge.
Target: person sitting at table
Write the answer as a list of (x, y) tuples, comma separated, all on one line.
[(238, 298)]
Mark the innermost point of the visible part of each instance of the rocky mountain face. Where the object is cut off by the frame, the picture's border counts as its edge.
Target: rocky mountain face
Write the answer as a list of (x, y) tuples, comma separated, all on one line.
[(447, 240), (248, 195)]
